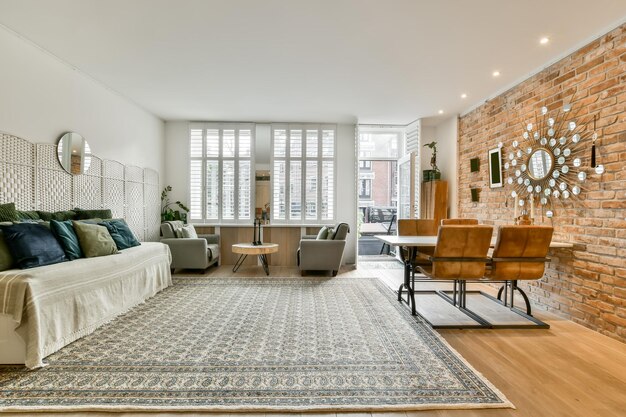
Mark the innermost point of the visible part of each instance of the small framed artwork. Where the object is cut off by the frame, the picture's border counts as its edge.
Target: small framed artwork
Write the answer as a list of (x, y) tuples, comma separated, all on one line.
[(474, 165), (495, 168)]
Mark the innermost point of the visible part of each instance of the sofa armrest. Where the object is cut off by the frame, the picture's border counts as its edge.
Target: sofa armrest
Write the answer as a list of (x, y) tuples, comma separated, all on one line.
[(321, 255), (211, 238), (188, 253), (309, 237)]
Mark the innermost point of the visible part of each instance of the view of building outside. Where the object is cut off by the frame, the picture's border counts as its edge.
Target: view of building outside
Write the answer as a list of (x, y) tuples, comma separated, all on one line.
[(378, 171)]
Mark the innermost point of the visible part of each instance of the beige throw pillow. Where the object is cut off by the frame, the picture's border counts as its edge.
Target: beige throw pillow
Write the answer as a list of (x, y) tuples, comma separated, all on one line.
[(94, 240), (189, 232)]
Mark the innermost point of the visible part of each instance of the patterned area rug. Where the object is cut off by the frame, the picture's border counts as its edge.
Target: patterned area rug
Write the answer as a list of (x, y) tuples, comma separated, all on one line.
[(256, 344)]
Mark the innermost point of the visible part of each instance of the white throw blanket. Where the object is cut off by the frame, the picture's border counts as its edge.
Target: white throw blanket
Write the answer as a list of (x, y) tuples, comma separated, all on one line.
[(56, 304)]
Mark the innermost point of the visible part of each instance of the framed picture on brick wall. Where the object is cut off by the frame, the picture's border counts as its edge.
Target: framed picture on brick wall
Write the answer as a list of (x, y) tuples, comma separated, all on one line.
[(495, 168)]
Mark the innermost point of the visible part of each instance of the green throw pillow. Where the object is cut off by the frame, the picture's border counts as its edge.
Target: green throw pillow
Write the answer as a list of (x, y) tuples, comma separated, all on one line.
[(90, 214), (121, 233), (57, 215), (323, 233), (94, 239), (28, 215), (6, 260), (8, 213), (64, 232)]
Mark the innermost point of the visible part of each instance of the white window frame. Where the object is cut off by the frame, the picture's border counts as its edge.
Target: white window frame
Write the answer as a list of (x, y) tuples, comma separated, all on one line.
[(220, 158), (303, 127)]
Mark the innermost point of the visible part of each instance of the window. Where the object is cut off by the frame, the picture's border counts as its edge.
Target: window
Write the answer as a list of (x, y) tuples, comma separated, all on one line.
[(365, 189), (303, 173), (221, 172)]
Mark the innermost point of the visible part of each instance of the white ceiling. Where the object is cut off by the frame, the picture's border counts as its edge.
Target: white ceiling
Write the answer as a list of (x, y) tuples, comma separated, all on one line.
[(371, 61)]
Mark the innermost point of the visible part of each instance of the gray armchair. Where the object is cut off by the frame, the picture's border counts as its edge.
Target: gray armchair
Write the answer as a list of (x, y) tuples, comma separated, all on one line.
[(323, 255), (190, 253)]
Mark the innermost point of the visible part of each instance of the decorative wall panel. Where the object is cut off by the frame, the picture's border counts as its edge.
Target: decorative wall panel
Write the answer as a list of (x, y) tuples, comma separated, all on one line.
[(53, 184), (31, 176), (152, 212), (134, 204), (113, 187), (87, 187), (17, 172)]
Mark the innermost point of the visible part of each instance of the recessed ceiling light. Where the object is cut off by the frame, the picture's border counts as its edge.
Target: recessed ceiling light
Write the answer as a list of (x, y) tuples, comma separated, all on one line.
[(496, 73), (440, 111), (463, 95), (544, 40)]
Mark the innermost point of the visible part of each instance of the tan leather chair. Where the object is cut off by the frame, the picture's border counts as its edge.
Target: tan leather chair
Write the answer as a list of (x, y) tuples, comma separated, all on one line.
[(417, 227), (445, 222), (520, 253), (460, 255)]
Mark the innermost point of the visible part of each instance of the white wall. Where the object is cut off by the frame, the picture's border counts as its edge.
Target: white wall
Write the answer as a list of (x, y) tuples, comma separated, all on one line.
[(177, 171), (447, 151), (42, 97), (446, 135)]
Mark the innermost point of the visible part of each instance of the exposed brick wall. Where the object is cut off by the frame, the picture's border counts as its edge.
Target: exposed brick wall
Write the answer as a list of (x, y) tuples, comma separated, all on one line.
[(586, 284)]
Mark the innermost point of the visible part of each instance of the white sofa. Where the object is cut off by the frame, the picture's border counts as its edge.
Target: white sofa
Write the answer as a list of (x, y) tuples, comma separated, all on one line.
[(43, 309)]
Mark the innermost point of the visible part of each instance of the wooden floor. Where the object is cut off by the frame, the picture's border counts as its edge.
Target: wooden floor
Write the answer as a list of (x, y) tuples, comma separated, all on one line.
[(567, 370)]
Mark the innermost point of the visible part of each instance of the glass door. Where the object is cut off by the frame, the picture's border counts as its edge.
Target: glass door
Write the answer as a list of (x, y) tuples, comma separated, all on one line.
[(406, 187)]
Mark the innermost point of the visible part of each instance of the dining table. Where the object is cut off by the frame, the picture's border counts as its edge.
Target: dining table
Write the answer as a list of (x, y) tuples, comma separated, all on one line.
[(411, 246)]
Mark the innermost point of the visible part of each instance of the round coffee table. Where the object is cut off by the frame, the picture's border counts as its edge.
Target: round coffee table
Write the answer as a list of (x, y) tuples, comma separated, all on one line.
[(261, 250)]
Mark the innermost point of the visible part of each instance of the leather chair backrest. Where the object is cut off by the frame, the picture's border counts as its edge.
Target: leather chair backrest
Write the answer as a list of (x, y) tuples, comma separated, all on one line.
[(169, 228), (341, 231), (461, 241), (458, 221), (521, 242), (417, 227)]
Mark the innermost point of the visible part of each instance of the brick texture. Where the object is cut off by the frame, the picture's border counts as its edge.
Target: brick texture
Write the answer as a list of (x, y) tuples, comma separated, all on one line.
[(586, 284)]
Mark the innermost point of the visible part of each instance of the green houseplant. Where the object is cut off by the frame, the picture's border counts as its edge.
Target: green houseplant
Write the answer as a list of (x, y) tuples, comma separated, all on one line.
[(434, 173), (168, 209)]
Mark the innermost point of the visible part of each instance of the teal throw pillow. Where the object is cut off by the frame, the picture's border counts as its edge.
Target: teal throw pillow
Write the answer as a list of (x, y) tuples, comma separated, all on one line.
[(8, 213), (32, 245), (120, 233), (65, 234)]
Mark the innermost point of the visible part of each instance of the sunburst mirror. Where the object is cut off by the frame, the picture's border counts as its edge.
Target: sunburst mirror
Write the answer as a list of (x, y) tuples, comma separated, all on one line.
[(548, 163)]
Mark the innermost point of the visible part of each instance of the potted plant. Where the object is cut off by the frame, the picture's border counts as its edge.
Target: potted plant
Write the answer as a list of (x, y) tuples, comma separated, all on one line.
[(434, 173), (169, 213)]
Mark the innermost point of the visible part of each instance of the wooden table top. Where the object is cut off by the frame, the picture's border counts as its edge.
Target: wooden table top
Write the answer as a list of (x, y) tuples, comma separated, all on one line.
[(432, 241), (250, 249)]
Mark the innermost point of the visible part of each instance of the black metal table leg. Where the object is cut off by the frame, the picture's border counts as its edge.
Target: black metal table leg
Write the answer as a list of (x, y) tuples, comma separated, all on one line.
[(408, 261), (239, 262), (266, 267)]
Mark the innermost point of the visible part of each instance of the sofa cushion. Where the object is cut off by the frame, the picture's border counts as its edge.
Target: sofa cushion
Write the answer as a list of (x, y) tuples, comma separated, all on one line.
[(91, 214), (341, 231), (213, 251), (32, 245), (28, 215), (323, 233), (121, 233), (8, 213), (6, 259), (65, 234), (94, 239), (189, 232), (169, 228), (57, 215)]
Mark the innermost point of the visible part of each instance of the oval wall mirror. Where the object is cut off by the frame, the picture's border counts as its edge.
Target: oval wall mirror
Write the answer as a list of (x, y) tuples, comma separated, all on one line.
[(74, 153), (540, 164)]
